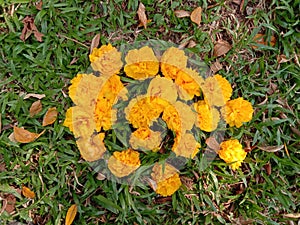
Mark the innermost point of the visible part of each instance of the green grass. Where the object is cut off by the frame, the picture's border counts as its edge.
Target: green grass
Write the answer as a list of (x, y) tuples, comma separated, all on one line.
[(51, 166)]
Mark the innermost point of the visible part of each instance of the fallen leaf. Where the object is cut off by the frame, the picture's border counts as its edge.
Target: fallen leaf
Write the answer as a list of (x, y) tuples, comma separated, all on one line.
[(292, 215), (221, 48), (261, 39), (38, 96), (24, 136), (282, 59), (50, 116), (142, 15), (95, 42), (72, 211), (27, 192), (11, 137), (181, 13), (101, 176), (212, 143), (192, 44), (196, 15), (8, 203), (35, 108), (268, 168), (29, 28), (39, 5), (271, 148), (216, 66)]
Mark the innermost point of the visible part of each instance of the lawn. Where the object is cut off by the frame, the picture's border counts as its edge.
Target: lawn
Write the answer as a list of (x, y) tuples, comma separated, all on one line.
[(253, 44)]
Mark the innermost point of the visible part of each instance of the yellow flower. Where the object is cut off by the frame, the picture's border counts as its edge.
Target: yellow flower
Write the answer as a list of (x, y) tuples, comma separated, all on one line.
[(186, 146), (190, 81), (237, 111), (163, 88), (69, 120), (232, 152), (166, 178), (123, 163), (217, 90), (74, 84), (106, 60), (208, 117), (172, 119), (145, 139), (141, 63), (172, 61)]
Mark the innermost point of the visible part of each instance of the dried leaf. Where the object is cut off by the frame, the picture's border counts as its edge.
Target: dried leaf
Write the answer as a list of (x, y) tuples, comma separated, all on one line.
[(268, 168), (191, 44), (101, 176), (261, 39), (29, 28), (24, 136), (282, 59), (50, 116), (216, 66), (221, 48), (9, 201), (196, 15), (27, 192), (181, 13), (72, 211), (35, 108), (271, 148), (142, 15), (11, 137), (39, 5), (292, 215), (95, 42), (212, 144), (38, 96)]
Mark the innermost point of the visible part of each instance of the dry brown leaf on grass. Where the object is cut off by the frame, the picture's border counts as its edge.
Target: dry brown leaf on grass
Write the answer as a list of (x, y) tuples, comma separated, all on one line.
[(196, 15), (38, 96), (72, 211), (221, 48), (142, 15), (216, 66), (95, 42), (27, 192), (212, 144), (8, 203), (24, 136), (181, 13), (35, 108), (29, 28), (271, 148), (39, 5), (50, 116), (261, 39)]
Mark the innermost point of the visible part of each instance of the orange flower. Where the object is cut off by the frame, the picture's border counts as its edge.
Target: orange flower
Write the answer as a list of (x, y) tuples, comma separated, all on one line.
[(217, 90), (106, 60), (232, 152), (69, 119), (141, 63), (186, 146), (74, 84), (123, 163), (145, 139), (166, 179), (237, 111), (208, 117)]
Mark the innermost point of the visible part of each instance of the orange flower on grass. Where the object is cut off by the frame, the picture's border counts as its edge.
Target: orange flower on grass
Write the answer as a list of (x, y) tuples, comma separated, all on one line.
[(232, 152), (106, 60), (186, 145), (237, 111), (69, 120), (121, 164), (166, 178), (217, 90), (141, 63), (145, 139), (172, 61), (208, 117)]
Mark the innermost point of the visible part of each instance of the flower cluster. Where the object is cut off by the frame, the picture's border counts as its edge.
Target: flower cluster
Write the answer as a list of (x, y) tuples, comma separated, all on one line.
[(173, 94)]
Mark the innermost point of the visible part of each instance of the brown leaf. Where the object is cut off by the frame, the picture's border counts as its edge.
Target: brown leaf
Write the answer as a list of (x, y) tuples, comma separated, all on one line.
[(27, 192), (192, 44), (50, 116), (181, 13), (261, 39), (271, 148), (39, 5), (282, 59), (216, 66), (221, 48), (292, 215), (212, 144), (38, 96), (9, 201), (95, 42), (35, 108), (72, 211), (11, 137), (196, 15), (268, 168), (24, 136), (101, 176), (142, 15), (29, 28)]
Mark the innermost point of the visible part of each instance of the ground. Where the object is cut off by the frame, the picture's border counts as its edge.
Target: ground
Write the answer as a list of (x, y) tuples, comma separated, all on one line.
[(262, 65)]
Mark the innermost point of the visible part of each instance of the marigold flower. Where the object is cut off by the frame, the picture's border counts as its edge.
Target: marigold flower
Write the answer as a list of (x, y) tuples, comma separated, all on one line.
[(141, 63), (172, 118), (145, 139), (74, 84), (186, 146), (166, 178), (106, 60), (172, 61), (232, 152), (217, 90), (237, 111), (208, 117), (123, 163), (190, 81), (69, 120)]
